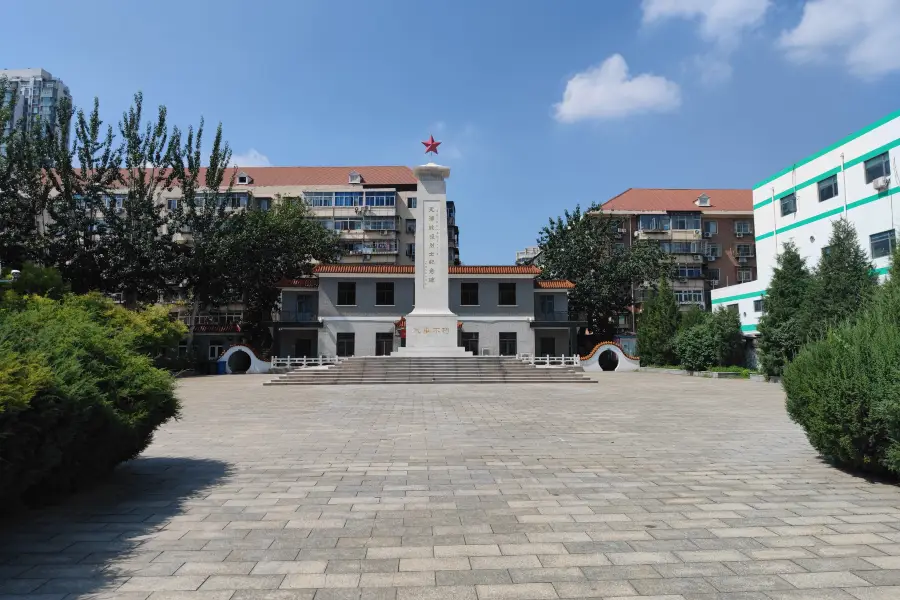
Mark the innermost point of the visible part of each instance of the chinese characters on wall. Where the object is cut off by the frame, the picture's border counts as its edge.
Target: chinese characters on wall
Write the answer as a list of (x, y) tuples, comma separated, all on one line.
[(431, 330), (432, 243)]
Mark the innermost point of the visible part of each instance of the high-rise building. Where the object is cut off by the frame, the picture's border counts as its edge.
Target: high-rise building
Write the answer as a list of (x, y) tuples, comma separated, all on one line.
[(708, 232), (38, 94), (854, 179)]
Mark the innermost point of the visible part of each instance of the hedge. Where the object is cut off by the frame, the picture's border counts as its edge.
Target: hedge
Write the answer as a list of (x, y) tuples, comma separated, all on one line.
[(844, 390), (78, 392)]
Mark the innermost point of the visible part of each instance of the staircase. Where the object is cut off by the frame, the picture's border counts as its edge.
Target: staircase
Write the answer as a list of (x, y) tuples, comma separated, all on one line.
[(387, 370)]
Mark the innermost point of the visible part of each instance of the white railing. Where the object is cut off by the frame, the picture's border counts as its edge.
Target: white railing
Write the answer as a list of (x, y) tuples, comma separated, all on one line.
[(300, 361), (225, 318), (549, 361)]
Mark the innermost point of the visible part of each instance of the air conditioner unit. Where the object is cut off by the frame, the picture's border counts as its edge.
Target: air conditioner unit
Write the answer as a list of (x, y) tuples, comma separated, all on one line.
[(367, 257), (637, 233), (714, 282), (698, 257), (620, 230), (706, 235), (742, 259), (882, 183), (738, 235)]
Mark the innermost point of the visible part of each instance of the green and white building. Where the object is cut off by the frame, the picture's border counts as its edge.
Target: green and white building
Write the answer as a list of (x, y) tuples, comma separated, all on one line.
[(855, 177)]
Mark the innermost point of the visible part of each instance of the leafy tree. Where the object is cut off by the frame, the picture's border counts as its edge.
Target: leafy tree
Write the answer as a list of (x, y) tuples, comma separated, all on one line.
[(264, 247), (587, 249), (657, 326), (843, 282), (696, 346), (41, 281), (691, 317), (729, 341), (140, 255), (782, 327), (82, 177), (202, 217)]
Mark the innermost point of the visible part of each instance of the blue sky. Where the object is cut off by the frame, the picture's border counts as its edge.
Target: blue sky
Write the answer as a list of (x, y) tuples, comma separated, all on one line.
[(541, 105)]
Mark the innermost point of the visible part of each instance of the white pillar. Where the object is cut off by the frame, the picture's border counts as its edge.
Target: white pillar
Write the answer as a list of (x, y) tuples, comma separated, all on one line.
[(431, 326)]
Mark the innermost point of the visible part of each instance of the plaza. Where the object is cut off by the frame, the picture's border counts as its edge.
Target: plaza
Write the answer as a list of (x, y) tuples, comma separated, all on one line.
[(620, 490)]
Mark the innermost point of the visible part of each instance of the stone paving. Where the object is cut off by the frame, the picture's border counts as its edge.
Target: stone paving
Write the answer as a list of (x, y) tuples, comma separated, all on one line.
[(646, 485)]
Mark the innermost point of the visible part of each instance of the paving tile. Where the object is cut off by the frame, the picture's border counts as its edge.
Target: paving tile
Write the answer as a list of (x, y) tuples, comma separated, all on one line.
[(521, 591), (460, 563), (748, 583), (437, 593), (594, 589), (242, 582), (546, 575), (825, 579)]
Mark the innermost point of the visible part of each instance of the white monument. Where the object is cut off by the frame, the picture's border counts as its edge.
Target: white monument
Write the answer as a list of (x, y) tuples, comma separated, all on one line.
[(431, 326)]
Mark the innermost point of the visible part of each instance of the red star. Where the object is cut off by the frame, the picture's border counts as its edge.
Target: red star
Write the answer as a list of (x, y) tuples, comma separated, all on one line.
[(431, 145)]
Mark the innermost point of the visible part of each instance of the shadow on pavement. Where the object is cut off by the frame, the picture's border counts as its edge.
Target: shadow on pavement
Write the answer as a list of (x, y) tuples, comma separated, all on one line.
[(93, 541)]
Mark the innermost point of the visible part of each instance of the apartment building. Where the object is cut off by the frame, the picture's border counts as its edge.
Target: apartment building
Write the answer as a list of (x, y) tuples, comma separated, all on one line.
[(708, 232), (528, 256), (359, 310), (38, 94), (854, 178), (369, 207)]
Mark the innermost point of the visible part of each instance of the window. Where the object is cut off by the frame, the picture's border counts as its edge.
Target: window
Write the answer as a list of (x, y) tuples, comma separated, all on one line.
[(758, 305), (688, 271), (880, 166), (619, 247), (547, 305), (828, 188), (789, 204), (711, 227), (826, 250), (733, 308), (508, 346), (384, 293), (622, 321), (238, 201), (411, 250), (215, 351), (743, 227), (263, 204), (346, 293), (348, 198), (242, 179), (410, 226), (411, 202), (744, 275), (653, 222), (689, 296), (182, 348), (713, 251), (507, 294), (347, 224), (882, 244), (743, 250), (346, 344), (172, 204), (384, 343), (685, 221), (470, 341), (379, 224), (380, 198), (469, 294), (712, 274), (684, 247), (319, 198)]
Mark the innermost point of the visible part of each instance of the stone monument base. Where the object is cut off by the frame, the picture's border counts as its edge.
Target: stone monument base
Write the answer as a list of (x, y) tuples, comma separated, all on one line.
[(431, 336)]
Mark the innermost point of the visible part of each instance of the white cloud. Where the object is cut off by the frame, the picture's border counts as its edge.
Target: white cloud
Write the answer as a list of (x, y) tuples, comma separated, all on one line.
[(251, 158), (607, 92), (721, 21), (712, 68), (864, 34)]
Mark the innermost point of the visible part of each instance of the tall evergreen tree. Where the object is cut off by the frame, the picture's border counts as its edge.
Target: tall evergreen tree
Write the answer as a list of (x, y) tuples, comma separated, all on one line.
[(201, 216), (140, 255), (82, 176), (783, 327), (587, 249), (657, 327), (844, 281)]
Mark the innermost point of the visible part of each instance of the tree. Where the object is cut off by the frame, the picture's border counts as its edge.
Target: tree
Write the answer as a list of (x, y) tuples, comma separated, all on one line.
[(203, 217), (82, 177), (140, 255), (729, 341), (23, 189), (844, 281), (782, 327), (696, 346), (587, 249), (691, 317), (657, 326), (264, 247)]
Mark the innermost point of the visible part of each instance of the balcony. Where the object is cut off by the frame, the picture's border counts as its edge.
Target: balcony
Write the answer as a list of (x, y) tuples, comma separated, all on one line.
[(227, 322), (558, 318), (297, 318)]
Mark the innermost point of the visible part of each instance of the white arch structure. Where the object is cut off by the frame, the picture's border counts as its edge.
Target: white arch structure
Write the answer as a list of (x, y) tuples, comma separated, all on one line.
[(591, 362), (256, 365)]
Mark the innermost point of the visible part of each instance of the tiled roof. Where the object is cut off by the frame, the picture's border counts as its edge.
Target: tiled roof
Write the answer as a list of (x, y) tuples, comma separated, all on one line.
[(409, 269), (554, 284), (661, 200), (305, 282), (286, 176)]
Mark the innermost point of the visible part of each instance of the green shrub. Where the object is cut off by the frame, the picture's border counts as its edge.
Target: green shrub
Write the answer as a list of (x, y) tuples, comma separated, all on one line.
[(78, 394), (844, 390), (696, 347)]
